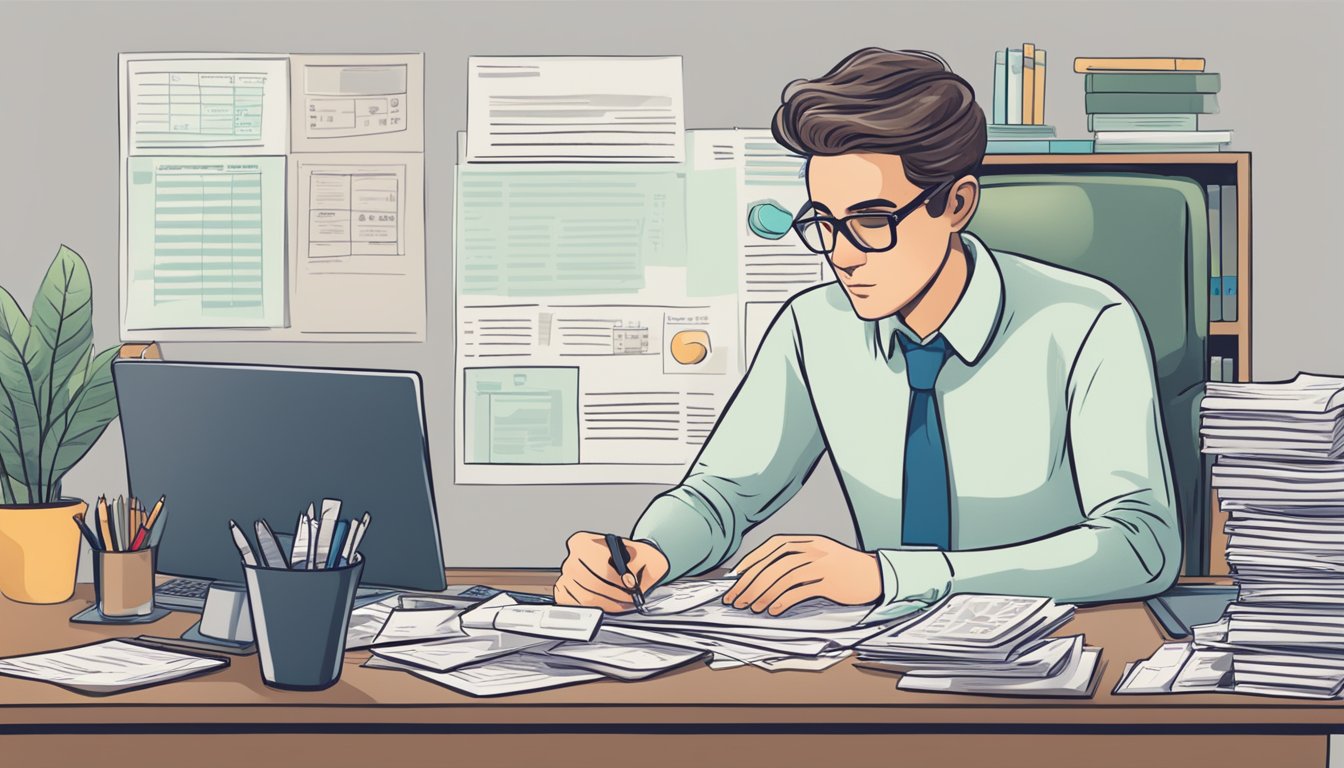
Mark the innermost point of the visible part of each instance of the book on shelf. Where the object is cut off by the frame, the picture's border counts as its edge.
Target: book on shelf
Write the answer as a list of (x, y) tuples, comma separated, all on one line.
[(1152, 82), (1039, 147), (1014, 101), (1038, 96), (1228, 251), (1028, 83), (1085, 64), (1215, 368), (1215, 205), (1020, 132), (1161, 141), (1178, 103), (1000, 113), (1143, 121)]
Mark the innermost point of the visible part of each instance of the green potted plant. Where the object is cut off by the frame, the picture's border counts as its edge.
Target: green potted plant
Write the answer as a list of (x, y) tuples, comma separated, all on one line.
[(56, 398)]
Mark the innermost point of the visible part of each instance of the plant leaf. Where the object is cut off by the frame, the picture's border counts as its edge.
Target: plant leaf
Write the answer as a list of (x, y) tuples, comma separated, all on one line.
[(92, 409), (20, 425), (62, 331)]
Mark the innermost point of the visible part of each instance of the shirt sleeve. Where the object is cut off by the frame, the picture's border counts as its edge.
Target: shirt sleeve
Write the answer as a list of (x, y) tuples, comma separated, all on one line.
[(1128, 543), (761, 451)]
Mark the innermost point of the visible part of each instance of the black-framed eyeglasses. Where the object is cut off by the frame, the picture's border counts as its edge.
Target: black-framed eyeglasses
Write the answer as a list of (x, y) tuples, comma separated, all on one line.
[(869, 232)]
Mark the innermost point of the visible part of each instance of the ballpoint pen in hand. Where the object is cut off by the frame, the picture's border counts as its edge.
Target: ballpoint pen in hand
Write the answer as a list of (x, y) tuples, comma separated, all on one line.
[(620, 559)]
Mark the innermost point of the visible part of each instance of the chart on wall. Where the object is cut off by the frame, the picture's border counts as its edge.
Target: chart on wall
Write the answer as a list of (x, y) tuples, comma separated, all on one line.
[(272, 197), (607, 310)]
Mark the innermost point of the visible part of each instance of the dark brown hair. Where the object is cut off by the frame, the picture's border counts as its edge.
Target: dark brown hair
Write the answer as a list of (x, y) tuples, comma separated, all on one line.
[(907, 103)]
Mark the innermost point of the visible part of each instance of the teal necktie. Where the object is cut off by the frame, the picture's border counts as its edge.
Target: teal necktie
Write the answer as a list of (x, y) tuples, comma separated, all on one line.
[(926, 508)]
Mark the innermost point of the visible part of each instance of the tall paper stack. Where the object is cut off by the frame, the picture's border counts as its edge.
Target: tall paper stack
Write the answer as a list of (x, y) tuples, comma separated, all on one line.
[(1280, 477)]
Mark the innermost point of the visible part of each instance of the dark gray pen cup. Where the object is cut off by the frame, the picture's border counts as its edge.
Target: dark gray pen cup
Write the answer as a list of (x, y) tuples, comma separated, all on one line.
[(300, 618)]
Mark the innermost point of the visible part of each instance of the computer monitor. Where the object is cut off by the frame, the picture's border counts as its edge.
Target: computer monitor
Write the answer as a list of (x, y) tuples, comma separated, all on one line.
[(249, 442)]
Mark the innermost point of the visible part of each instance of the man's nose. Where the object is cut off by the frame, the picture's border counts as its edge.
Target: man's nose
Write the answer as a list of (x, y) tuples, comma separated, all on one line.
[(847, 258)]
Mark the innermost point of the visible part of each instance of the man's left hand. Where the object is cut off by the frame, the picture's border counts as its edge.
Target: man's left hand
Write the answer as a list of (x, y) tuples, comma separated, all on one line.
[(787, 570)]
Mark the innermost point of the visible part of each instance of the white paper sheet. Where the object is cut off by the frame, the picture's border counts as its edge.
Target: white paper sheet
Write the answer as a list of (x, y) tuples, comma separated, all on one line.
[(684, 595), (560, 622), (358, 102), (621, 657), (519, 673), (1075, 680), (367, 621), (107, 667), (451, 653), (575, 109), (410, 625)]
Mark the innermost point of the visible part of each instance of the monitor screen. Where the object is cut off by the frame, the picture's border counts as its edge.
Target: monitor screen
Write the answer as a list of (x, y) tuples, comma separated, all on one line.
[(240, 442)]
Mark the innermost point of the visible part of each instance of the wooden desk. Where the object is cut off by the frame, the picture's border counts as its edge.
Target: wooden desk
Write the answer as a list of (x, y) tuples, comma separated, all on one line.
[(692, 717)]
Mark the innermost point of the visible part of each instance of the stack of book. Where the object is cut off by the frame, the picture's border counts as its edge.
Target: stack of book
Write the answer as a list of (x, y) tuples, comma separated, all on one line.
[(986, 644), (1279, 473), (1150, 104), (1018, 118)]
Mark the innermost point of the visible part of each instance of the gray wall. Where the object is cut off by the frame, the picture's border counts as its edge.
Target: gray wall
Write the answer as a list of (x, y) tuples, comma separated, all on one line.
[(59, 184)]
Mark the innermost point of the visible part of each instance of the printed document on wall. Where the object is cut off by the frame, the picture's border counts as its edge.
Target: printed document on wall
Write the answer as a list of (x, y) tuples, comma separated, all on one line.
[(358, 253), (206, 242), (532, 109), (592, 346), (358, 103), (204, 104)]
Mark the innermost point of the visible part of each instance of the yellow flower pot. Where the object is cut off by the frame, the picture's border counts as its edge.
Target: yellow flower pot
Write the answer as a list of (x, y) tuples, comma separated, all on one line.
[(39, 551)]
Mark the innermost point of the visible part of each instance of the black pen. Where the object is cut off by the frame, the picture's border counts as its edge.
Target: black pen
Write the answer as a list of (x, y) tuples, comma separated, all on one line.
[(622, 564)]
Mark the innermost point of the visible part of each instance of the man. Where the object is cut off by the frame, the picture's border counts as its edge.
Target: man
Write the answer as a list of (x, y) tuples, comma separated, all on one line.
[(993, 420)]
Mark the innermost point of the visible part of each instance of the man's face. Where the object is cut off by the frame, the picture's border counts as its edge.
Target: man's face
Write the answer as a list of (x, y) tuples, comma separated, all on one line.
[(879, 284)]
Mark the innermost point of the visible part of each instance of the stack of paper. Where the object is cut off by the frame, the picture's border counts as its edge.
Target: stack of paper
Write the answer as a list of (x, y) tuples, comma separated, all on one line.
[(1279, 474), (110, 666), (1298, 419), (986, 644)]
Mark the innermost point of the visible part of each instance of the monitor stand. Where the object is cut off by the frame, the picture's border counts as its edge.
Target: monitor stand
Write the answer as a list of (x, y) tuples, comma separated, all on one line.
[(226, 621)]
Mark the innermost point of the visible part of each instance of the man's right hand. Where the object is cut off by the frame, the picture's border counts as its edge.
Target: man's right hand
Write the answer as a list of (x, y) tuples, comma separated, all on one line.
[(588, 577)]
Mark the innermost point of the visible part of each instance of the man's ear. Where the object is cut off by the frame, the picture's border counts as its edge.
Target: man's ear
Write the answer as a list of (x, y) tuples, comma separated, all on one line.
[(962, 200)]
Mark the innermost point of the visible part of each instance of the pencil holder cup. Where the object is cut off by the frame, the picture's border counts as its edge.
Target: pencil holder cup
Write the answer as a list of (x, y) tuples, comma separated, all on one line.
[(300, 618), (123, 582)]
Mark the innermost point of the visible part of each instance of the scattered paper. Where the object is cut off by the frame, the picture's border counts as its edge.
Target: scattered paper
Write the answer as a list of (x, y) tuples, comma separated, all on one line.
[(444, 655), (108, 667), (519, 673), (408, 626)]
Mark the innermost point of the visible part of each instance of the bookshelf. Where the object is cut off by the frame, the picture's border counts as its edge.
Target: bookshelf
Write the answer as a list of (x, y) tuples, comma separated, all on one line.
[(1225, 337)]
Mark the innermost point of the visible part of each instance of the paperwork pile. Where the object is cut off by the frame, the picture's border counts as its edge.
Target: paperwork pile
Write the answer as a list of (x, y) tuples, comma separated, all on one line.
[(987, 644), (1280, 479), (500, 647)]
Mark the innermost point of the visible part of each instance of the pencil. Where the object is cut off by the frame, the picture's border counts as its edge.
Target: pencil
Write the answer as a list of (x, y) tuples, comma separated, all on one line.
[(104, 527)]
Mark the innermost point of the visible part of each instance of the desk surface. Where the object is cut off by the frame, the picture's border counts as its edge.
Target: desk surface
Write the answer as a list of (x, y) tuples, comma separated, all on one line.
[(692, 700)]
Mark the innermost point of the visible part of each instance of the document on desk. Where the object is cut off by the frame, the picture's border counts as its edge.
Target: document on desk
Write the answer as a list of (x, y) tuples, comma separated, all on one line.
[(1179, 668), (110, 666), (557, 622), (683, 595), (406, 626), (620, 657), (532, 109), (1076, 679), (367, 621), (368, 102), (519, 673), (358, 244), (451, 653)]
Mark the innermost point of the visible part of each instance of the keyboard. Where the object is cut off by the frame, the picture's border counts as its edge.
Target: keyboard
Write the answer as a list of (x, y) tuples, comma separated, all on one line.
[(186, 594), (182, 594)]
